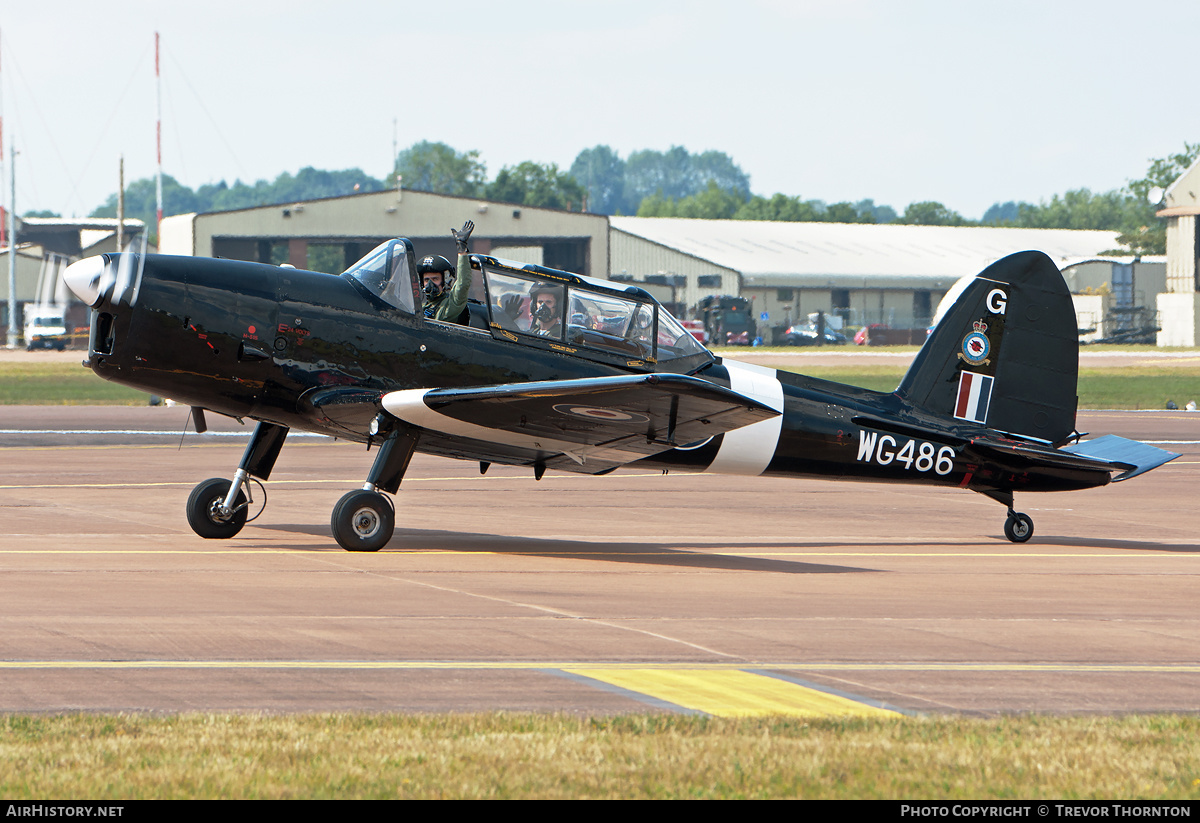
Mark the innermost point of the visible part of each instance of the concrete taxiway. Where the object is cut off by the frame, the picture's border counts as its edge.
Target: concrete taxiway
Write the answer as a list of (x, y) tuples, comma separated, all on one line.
[(631, 592)]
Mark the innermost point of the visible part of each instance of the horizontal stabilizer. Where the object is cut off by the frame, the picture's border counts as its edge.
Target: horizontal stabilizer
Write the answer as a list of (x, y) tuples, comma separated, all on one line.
[(1136, 457)]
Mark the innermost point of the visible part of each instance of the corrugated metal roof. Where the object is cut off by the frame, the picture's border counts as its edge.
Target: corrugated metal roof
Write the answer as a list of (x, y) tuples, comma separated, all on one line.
[(773, 249)]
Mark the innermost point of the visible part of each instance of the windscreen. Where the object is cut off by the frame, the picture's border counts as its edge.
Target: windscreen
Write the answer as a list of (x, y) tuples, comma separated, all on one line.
[(386, 272)]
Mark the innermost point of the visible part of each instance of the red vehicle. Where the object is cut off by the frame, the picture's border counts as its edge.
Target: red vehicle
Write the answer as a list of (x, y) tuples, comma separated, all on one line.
[(861, 337)]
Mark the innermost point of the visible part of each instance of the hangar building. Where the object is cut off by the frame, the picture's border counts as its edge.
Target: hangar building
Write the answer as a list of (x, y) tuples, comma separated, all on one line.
[(332, 233), (1179, 305), (44, 246), (864, 273)]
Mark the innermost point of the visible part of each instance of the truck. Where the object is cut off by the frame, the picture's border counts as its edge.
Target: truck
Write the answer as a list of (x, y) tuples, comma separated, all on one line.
[(728, 320), (45, 326)]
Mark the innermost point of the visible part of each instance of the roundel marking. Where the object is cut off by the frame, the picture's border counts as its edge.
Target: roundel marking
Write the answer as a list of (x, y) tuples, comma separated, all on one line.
[(597, 413), (975, 348)]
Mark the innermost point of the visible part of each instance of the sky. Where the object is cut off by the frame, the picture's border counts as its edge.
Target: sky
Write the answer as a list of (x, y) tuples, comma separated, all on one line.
[(966, 103)]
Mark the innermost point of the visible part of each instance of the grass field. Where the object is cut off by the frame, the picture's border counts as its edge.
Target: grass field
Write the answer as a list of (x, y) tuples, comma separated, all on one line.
[(539, 756), (1117, 387), (61, 384)]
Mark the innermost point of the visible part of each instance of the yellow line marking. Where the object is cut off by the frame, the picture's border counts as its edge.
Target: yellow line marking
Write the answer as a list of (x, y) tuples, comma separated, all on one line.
[(732, 693), (590, 670)]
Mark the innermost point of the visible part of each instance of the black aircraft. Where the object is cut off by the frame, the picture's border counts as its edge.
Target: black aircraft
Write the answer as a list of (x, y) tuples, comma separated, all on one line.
[(612, 380)]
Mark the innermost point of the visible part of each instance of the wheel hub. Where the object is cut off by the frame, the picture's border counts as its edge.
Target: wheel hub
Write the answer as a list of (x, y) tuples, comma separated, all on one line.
[(214, 511), (366, 523)]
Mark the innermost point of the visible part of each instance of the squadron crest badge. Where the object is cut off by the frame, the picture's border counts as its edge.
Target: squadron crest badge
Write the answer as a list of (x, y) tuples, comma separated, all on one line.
[(975, 346)]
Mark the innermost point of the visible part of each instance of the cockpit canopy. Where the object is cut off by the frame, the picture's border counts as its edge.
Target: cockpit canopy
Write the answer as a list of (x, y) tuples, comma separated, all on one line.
[(389, 272), (533, 305)]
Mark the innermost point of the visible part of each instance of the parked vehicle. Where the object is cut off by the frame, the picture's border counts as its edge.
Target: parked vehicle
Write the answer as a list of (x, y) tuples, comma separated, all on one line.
[(807, 336), (864, 334), (45, 327), (728, 320)]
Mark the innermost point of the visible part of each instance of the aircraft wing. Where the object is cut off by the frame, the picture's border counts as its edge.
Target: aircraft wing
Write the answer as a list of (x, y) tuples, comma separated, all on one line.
[(596, 423)]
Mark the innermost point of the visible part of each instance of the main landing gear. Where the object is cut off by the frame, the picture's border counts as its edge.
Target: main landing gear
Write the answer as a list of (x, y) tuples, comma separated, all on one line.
[(217, 508), (363, 520), (1019, 526)]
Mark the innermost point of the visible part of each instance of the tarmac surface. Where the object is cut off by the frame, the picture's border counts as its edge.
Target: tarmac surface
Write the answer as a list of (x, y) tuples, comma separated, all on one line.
[(627, 593)]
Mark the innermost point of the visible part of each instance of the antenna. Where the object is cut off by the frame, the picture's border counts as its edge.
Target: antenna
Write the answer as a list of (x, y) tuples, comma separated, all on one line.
[(1155, 195)]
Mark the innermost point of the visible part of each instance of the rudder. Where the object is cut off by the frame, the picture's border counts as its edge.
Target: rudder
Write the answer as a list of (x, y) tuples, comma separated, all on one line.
[(1006, 355)]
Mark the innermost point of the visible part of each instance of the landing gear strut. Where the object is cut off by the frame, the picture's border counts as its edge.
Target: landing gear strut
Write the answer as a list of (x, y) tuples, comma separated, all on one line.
[(364, 520), (217, 508)]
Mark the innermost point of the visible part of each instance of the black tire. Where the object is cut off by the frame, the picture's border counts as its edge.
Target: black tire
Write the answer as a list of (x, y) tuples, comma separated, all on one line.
[(1018, 527), (363, 521), (202, 510)]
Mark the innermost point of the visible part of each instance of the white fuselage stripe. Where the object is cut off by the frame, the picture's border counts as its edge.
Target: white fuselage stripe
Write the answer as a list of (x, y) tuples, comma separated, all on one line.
[(409, 405), (749, 450)]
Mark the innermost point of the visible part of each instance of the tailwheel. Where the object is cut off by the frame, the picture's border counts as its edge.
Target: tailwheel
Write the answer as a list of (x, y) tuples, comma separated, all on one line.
[(1018, 527), (363, 521), (204, 510)]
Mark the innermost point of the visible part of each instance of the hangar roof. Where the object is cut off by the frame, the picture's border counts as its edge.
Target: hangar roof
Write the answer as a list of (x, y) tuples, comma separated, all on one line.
[(768, 252)]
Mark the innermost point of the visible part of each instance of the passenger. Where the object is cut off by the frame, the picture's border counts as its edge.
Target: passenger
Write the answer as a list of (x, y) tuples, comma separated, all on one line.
[(448, 301), (512, 312), (545, 310)]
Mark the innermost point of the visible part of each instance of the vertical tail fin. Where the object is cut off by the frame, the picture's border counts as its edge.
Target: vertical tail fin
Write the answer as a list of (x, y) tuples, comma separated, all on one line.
[(1006, 355)]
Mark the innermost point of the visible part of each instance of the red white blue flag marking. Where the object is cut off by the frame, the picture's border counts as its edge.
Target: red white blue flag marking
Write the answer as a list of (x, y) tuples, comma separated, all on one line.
[(974, 395)]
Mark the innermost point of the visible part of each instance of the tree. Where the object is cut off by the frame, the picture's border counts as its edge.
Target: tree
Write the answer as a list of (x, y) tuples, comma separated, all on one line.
[(846, 213), (1077, 209), (42, 213), (534, 184), (718, 167), (879, 214), (601, 171), (677, 174), (438, 168), (780, 207), (931, 213), (312, 184), (141, 201), (1001, 214), (714, 203), (1142, 230)]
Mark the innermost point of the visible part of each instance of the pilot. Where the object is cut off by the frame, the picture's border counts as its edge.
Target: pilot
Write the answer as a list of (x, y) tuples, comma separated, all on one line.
[(545, 311), (448, 301)]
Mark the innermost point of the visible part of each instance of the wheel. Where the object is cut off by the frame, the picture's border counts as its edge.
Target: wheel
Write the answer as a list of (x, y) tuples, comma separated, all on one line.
[(202, 510), (363, 521), (1018, 527)]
